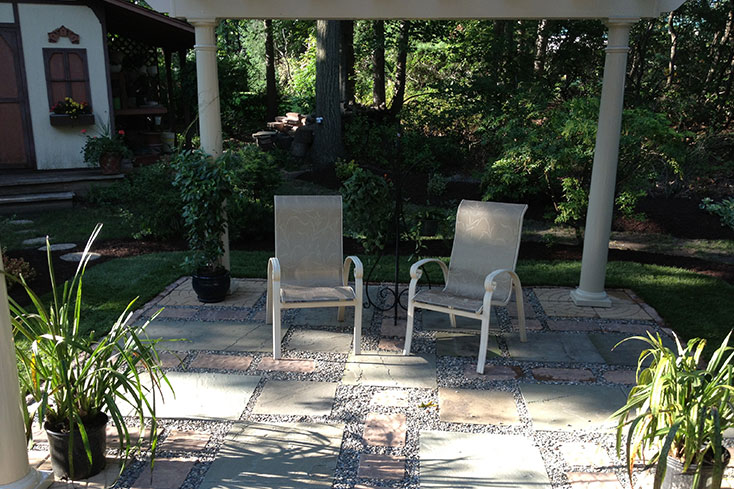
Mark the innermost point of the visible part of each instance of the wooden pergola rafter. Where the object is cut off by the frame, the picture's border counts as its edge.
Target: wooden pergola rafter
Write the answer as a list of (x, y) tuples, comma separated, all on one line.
[(619, 16)]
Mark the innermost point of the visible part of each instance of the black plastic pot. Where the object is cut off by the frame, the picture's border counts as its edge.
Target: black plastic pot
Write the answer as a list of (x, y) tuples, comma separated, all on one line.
[(211, 286), (675, 478), (78, 467)]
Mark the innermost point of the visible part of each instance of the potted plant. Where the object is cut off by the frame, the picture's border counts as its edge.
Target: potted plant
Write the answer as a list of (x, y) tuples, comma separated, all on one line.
[(105, 150), (677, 412), (79, 380), (69, 112), (205, 184)]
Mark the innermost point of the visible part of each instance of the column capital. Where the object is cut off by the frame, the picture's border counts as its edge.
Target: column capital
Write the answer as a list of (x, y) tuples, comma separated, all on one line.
[(202, 22), (621, 21)]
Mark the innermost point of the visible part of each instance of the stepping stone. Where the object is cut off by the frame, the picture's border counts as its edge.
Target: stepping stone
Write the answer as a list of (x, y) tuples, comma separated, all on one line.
[(286, 365), (390, 329), (168, 359), (206, 395), (563, 374), (493, 372), (168, 473), (552, 294), (391, 344), (113, 437), (585, 454), (623, 311), (628, 377), (318, 340), (593, 480), (477, 407), (221, 362), (34, 241), (387, 430), (627, 353), (224, 314), (185, 441), (530, 325), (391, 398), (386, 467), (59, 247), (77, 256), (554, 347), (20, 222), (327, 316), (391, 370), (480, 460), (458, 344), (571, 325), (173, 313), (438, 321), (103, 480), (229, 336), (629, 329), (568, 309), (572, 407), (293, 397), (244, 293), (268, 456)]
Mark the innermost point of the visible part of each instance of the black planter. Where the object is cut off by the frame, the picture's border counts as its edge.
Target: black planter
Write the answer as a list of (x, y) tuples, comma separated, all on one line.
[(675, 478), (78, 467), (211, 287)]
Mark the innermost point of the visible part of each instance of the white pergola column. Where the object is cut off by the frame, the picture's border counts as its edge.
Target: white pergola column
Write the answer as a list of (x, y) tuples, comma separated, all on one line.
[(590, 291), (207, 82), (15, 473)]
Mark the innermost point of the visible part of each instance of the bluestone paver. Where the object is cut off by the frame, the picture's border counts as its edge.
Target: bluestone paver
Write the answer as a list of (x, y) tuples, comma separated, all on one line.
[(593, 480), (460, 344), (291, 397), (222, 362), (391, 370), (225, 336), (477, 406), (287, 365), (206, 395), (327, 316), (244, 293), (571, 407), (480, 460), (185, 441), (276, 456), (585, 454), (554, 347), (168, 473), (319, 340), (438, 321), (493, 372)]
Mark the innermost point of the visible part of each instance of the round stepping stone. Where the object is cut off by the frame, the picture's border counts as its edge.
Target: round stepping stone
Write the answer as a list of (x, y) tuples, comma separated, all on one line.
[(21, 222), (77, 256), (34, 241), (25, 231), (59, 247)]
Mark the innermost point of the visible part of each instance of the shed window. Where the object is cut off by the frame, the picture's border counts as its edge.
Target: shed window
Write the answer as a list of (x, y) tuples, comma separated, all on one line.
[(67, 75)]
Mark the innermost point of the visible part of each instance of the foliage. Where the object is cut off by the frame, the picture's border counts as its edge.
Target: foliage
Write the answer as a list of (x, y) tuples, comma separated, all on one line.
[(72, 375), (436, 185), (679, 408), (71, 107), (547, 153), (146, 200), (105, 142), (723, 209), (204, 186), (365, 210), (17, 267)]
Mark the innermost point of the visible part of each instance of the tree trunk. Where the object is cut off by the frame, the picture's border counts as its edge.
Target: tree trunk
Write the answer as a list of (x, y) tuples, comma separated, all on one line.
[(400, 67), (327, 145), (378, 65), (346, 71), (637, 69), (673, 49), (271, 91), (541, 45)]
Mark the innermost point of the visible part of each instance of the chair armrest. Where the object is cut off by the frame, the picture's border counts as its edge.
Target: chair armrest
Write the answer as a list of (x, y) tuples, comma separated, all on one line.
[(358, 268), (274, 269), (489, 282), (416, 272)]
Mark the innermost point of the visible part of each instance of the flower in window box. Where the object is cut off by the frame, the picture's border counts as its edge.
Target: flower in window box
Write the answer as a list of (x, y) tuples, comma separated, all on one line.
[(71, 107)]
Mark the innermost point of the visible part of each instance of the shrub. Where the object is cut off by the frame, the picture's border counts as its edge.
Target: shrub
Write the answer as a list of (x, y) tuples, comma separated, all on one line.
[(367, 209), (723, 209), (17, 267)]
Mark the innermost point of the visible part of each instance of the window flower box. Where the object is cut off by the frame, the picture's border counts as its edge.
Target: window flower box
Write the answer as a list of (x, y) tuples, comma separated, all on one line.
[(65, 120)]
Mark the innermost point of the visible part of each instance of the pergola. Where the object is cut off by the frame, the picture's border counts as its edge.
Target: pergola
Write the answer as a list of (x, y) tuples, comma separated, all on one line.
[(619, 16)]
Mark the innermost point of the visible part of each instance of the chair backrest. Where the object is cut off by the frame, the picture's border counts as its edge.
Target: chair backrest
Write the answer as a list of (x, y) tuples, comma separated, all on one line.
[(308, 239), (487, 239)]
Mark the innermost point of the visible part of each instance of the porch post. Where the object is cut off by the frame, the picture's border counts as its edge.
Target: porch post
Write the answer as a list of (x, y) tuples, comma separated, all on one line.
[(15, 473), (207, 82), (590, 291)]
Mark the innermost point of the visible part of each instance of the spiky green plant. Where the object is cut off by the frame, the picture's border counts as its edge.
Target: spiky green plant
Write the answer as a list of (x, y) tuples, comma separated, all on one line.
[(680, 406), (73, 376)]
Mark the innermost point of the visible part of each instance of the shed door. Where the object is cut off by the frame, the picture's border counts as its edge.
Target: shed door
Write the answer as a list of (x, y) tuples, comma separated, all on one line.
[(15, 129)]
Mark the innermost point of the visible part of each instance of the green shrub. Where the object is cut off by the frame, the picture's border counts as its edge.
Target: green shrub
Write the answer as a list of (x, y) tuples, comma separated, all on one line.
[(368, 210), (146, 200), (723, 209)]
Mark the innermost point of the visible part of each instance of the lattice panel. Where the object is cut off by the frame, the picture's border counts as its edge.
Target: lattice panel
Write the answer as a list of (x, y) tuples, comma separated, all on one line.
[(135, 53)]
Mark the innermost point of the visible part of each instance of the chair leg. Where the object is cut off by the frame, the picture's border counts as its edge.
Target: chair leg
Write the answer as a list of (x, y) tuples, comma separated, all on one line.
[(452, 318), (340, 314), (357, 342), (520, 309), (409, 328), (269, 302), (483, 341), (276, 320)]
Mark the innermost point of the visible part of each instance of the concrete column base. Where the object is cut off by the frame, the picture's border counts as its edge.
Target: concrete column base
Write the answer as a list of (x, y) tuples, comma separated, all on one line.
[(590, 299), (35, 479)]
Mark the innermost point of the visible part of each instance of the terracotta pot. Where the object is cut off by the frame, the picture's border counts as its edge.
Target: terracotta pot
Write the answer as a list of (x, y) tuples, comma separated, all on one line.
[(110, 163)]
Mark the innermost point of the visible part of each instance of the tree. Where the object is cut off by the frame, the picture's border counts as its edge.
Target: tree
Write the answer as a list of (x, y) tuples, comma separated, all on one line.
[(327, 146), (272, 95), (346, 71), (378, 65), (400, 68)]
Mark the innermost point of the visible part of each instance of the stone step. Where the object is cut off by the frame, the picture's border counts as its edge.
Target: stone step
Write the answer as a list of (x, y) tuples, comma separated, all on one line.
[(77, 181), (35, 202)]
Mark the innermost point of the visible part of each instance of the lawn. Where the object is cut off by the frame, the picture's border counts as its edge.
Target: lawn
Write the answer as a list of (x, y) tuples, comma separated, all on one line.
[(690, 303)]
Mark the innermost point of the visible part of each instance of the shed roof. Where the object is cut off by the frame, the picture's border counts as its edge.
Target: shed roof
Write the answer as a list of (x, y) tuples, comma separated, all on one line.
[(147, 26)]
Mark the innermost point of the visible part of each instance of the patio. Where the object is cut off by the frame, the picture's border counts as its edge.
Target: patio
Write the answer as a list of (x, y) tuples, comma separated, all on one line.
[(321, 417)]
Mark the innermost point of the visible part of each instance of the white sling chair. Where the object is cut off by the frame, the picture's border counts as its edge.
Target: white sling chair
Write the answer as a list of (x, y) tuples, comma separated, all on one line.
[(307, 270), (481, 272)]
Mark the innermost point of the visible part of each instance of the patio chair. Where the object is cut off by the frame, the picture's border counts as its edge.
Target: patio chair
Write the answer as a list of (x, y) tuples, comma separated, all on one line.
[(481, 272), (307, 270)]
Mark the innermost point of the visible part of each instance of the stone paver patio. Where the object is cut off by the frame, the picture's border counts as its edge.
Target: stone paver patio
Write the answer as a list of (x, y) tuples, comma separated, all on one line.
[(323, 417)]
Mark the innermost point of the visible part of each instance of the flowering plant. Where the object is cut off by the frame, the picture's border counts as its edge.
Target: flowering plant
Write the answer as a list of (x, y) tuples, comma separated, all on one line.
[(105, 142), (71, 107)]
